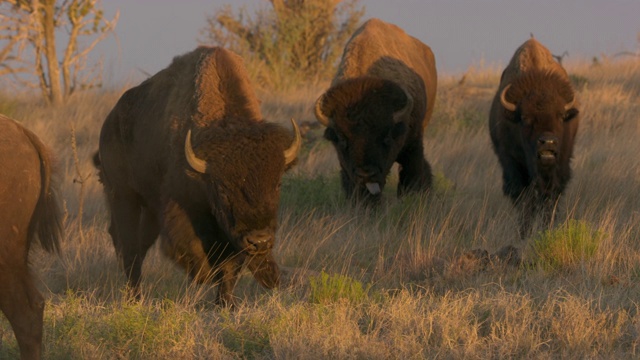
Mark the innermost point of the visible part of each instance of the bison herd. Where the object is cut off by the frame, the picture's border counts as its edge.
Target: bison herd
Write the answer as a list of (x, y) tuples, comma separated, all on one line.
[(187, 158)]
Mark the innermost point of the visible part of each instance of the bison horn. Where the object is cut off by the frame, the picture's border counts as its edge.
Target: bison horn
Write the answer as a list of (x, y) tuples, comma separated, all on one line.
[(322, 118), (292, 152), (198, 165), (503, 99), (400, 114)]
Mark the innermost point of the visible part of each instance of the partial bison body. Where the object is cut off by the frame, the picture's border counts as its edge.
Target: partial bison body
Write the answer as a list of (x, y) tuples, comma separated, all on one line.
[(533, 123), (377, 108), (28, 209), (186, 155)]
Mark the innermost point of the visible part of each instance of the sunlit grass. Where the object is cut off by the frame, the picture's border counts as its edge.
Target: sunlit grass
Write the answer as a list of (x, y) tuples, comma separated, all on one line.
[(389, 282)]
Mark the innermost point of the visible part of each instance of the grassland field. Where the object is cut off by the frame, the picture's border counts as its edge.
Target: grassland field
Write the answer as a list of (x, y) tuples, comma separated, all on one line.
[(396, 282)]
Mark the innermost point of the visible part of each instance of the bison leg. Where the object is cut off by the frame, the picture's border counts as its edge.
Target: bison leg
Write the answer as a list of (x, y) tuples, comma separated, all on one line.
[(347, 184), (23, 306), (125, 226), (226, 277), (415, 171), (527, 208), (549, 207), (515, 179), (515, 183)]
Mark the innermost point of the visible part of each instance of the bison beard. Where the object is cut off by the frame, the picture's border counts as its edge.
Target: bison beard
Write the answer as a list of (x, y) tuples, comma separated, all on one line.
[(187, 156), (533, 123)]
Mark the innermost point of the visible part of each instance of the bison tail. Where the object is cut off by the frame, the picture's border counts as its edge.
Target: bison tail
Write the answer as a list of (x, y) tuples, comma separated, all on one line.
[(45, 222)]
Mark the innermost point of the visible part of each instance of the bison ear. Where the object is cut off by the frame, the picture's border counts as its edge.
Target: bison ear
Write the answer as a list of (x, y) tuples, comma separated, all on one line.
[(571, 114)]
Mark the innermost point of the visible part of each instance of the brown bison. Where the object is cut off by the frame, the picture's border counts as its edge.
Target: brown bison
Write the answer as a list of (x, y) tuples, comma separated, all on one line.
[(29, 209), (377, 108), (533, 122), (186, 155)]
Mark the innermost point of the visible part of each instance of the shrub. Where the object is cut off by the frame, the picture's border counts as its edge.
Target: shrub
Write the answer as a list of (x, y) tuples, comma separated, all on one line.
[(330, 288), (567, 245)]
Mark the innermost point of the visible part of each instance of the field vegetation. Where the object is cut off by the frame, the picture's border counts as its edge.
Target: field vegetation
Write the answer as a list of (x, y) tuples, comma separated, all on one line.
[(419, 277)]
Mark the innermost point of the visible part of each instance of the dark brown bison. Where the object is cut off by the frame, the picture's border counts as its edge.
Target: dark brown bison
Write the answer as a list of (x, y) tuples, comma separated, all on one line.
[(533, 123), (28, 209), (186, 155), (377, 108)]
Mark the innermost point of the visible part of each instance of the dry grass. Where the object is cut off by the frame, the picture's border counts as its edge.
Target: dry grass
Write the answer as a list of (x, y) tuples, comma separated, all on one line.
[(373, 284)]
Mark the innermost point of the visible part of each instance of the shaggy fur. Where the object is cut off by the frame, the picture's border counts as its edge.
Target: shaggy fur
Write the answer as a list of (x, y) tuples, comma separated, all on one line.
[(540, 89), (29, 209), (382, 70), (208, 221)]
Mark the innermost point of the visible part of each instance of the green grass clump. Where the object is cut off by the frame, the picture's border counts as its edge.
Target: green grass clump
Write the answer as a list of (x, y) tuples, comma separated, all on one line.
[(442, 184), (330, 288), (567, 246)]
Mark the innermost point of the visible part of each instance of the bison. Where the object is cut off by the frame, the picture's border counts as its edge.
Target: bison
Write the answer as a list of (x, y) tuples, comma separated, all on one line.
[(533, 122), (186, 155), (377, 108), (29, 209)]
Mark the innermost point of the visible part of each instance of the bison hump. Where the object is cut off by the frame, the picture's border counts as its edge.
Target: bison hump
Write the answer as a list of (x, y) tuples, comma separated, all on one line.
[(223, 87)]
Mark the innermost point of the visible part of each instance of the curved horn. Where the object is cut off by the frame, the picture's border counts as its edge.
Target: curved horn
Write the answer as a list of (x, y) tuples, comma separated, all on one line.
[(570, 104), (198, 165), (292, 152), (503, 100), (322, 118), (398, 115)]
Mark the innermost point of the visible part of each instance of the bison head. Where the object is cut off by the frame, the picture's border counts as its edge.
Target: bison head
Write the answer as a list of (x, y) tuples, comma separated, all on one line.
[(242, 164), (367, 122), (542, 105)]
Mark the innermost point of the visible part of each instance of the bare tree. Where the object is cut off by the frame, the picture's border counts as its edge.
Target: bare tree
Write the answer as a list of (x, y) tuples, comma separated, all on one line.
[(28, 48)]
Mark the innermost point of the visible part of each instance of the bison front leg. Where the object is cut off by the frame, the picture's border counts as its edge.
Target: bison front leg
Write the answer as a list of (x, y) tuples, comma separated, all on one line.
[(124, 229), (347, 184), (549, 207), (415, 171), (226, 278), (528, 207)]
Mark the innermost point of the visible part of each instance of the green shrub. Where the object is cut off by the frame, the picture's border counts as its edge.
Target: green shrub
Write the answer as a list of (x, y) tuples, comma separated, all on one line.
[(442, 184), (330, 288), (567, 245)]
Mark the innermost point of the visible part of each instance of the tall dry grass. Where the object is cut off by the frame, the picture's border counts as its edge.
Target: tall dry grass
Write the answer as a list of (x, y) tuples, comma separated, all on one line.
[(392, 282)]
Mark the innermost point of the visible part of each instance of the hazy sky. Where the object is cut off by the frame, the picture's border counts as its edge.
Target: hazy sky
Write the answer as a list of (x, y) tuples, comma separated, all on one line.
[(461, 33)]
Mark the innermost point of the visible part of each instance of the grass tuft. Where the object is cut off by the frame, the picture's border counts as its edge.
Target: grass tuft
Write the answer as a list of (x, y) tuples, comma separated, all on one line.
[(567, 246)]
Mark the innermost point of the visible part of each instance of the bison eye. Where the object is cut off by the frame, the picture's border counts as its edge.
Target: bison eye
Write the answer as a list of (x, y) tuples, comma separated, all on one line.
[(398, 130), (526, 120), (331, 135), (571, 114)]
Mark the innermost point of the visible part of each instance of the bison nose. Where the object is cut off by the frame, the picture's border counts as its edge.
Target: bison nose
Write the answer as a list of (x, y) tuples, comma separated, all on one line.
[(366, 172), (259, 241), (547, 141)]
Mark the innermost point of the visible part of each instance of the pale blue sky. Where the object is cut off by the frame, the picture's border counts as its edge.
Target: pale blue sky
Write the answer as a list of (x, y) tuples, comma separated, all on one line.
[(461, 33)]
